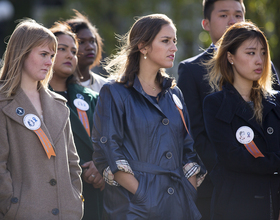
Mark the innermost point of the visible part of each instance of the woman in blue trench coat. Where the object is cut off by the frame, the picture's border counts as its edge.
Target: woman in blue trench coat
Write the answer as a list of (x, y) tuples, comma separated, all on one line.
[(242, 121), (141, 144)]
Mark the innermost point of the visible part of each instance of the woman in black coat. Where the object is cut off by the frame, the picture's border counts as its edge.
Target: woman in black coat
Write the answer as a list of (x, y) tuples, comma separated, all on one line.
[(242, 121)]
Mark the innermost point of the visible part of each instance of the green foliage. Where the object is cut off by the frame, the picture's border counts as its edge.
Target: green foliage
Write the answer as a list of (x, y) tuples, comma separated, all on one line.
[(116, 17)]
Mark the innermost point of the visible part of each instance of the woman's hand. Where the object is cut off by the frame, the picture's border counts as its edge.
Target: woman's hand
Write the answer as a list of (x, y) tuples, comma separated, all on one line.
[(127, 180), (92, 176), (192, 180)]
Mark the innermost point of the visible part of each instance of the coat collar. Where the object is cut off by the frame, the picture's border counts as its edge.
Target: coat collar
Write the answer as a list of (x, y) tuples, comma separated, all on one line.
[(234, 104), (166, 84), (78, 128), (55, 113)]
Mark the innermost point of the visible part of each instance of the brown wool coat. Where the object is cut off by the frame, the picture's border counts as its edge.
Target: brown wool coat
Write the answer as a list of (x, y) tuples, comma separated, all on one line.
[(31, 185)]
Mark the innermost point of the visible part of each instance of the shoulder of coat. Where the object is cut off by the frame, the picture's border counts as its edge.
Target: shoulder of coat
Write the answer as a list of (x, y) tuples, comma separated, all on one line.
[(56, 96)]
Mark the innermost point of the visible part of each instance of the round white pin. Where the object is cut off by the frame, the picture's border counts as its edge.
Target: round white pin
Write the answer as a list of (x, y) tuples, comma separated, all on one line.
[(177, 101), (81, 104), (244, 135), (32, 122)]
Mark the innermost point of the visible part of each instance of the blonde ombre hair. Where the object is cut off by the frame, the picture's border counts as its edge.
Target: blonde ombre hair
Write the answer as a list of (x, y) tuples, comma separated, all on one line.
[(220, 71), (27, 35)]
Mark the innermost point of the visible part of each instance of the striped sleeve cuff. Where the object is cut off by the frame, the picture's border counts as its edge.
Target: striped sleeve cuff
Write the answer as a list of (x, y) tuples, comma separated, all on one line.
[(191, 169), (122, 165)]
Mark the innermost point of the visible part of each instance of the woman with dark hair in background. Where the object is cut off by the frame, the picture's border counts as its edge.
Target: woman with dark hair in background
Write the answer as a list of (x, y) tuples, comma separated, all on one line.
[(81, 102), (90, 51), (242, 121), (141, 144)]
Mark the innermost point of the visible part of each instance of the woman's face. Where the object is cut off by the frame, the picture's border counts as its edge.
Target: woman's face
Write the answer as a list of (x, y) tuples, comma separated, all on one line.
[(37, 64), (87, 47), (66, 58), (248, 61), (161, 53)]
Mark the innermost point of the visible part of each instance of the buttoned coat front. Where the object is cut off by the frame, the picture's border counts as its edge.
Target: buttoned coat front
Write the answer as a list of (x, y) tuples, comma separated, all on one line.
[(32, 186), (243, 184), (129, 125)]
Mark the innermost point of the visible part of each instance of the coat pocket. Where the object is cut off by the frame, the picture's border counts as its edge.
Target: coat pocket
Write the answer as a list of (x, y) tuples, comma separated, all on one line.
[(14, 203), (140, 192)]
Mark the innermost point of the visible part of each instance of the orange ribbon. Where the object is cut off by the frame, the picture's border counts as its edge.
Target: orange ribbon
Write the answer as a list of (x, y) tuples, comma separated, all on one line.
[(45, 142), (253, 149), (183, 119), (84, 119)]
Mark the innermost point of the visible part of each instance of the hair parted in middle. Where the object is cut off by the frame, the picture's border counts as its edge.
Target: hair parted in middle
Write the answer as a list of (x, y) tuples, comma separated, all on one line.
[(125, 64), (220, 70), (27, 35), (62, 28)]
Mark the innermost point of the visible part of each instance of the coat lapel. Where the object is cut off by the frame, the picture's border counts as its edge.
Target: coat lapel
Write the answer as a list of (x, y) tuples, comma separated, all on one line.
[(138, 87), (233, 104), (78, 128), (55, 114), (50, 124)]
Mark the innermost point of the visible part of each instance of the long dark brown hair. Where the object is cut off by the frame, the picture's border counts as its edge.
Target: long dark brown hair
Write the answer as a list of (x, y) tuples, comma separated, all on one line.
[(125, 64)]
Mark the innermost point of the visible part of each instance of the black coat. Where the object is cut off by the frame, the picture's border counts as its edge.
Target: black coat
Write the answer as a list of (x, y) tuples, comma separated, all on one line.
[(242, 183), (195, 89)]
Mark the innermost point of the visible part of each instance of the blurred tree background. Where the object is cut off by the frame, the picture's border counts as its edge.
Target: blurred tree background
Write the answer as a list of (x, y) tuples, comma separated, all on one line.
[(116, 17)]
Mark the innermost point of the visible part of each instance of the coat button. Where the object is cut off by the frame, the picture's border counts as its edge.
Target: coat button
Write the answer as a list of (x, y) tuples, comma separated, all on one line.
[(170, 190), (14, 200), (55, 211), (53, 182), (168, 155), (103, 140), (165, 121), (270, 130)]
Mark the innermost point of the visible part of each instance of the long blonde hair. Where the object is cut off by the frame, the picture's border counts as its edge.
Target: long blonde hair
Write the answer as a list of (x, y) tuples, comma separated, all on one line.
[(27, 35), (220, 71)]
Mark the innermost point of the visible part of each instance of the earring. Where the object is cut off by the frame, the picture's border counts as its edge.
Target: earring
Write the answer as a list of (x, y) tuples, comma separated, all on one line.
[(231, 63), (145, 56)]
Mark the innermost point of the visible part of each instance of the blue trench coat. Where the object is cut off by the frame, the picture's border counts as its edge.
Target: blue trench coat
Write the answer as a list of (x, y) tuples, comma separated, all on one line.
[(129, 125), (243, 184)]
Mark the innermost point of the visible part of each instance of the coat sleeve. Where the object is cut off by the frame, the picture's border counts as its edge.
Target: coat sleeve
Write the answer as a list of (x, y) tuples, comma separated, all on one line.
[(230, 153), (190, 82), (189, 154), (6, 188), (276, 82), (108, 129), (73, 160)]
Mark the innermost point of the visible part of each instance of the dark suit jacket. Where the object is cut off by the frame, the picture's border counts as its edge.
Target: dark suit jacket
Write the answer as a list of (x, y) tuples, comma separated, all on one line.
[(243, 184), (195, 88)]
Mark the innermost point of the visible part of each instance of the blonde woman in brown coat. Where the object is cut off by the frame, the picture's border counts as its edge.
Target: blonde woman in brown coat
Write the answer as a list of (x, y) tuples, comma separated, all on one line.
[(39, 165)]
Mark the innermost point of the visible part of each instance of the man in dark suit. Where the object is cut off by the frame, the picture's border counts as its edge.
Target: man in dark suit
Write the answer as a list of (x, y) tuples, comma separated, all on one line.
[(218, 16)]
